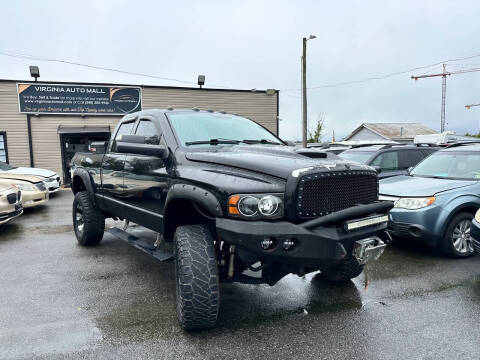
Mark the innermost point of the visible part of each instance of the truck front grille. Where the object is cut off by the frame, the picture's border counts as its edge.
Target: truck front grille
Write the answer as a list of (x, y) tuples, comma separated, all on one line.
[(323, 193), (12, 198)]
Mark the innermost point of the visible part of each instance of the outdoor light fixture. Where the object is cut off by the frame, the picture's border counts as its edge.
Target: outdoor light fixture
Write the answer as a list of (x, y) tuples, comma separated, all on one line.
[(34, 72), (201, 80)]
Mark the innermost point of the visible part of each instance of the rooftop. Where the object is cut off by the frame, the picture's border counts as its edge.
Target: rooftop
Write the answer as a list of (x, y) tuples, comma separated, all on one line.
[(395, 130)]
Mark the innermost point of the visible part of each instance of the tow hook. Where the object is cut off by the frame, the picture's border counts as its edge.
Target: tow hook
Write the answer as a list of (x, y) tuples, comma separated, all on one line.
[(368, 250)]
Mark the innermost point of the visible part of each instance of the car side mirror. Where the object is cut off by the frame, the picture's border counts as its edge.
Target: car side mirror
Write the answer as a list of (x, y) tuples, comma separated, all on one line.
[(378, 169), (409, 169), (135, 144)]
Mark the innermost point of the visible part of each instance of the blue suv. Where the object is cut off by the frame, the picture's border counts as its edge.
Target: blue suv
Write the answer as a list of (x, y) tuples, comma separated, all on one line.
[(436, 202)]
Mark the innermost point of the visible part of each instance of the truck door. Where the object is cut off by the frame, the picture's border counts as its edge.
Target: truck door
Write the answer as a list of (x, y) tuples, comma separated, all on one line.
[(146, 178), (113, 164)]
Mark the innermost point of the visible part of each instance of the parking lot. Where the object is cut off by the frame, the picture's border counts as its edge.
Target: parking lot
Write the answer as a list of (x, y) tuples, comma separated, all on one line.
[(112, 301)]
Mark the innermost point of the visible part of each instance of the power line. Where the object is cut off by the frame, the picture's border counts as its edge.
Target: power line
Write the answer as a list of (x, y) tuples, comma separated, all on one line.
[(38, 58), (382, 77)]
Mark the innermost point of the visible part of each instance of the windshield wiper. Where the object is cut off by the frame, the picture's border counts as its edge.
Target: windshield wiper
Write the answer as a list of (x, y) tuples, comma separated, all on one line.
[(260, 141), (213, 142)]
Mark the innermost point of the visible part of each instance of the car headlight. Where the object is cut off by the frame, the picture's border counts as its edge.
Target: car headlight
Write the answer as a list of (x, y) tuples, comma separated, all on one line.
[(25, 187), (256, 206), (414, 203), (477, 216)]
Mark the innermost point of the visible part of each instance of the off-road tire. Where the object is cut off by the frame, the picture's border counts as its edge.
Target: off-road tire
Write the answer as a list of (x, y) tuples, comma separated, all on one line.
[(93, 220), (196, 274), (446, 244), (343, 272)]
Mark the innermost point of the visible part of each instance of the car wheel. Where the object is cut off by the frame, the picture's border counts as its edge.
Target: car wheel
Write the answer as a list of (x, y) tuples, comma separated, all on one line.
[(88, 220), (457, 242), (343, 272), (196, 273)]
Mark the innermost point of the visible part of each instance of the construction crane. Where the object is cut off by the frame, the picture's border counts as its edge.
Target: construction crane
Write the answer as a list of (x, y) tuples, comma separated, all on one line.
[(444, 75), (471, 105)]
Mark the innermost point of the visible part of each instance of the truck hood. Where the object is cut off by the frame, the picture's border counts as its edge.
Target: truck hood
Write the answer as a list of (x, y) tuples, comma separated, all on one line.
[(30, 171), (279, 161), (402, 186)]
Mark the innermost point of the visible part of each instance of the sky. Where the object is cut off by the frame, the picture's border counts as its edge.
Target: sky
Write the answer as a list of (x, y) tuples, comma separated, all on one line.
[(257, 44)]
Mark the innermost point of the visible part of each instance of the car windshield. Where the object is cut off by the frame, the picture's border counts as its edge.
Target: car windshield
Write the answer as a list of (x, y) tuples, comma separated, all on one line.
[(358, 156), (5, 166), (223, 128), (450, 164)]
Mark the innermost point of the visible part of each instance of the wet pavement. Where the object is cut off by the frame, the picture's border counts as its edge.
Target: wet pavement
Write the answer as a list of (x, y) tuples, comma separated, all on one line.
[(60, 300)]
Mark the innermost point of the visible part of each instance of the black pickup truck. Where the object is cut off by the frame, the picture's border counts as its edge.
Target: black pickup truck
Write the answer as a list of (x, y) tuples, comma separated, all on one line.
[(233, 202)]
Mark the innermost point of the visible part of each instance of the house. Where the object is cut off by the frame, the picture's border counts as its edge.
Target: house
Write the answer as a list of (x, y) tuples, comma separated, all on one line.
[(398, 132)]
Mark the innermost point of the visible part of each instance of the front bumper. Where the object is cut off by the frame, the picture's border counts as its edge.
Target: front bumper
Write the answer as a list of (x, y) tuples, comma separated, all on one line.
[(10, 216), (475, 234), (315, 247), (34, 198), (418, 224)]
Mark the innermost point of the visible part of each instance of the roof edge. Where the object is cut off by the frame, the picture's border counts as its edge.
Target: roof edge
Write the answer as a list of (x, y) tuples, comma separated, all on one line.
[(140, 85)]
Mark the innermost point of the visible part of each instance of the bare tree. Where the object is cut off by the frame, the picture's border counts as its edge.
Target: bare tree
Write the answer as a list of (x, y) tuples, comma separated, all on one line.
[(316, 135)]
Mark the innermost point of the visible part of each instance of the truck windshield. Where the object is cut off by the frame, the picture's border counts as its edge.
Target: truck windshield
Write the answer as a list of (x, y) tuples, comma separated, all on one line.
[(213, 128), (361, 157), (450, 164)]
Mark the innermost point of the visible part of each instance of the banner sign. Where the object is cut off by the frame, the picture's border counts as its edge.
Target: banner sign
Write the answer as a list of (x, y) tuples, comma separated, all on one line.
[(37, 98)]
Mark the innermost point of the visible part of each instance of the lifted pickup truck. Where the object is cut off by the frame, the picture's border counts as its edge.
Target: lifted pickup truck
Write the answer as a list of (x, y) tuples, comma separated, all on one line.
[(235, 200)]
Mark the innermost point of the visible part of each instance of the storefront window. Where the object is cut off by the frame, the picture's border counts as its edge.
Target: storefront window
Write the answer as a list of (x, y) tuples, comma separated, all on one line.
[(3, 147)]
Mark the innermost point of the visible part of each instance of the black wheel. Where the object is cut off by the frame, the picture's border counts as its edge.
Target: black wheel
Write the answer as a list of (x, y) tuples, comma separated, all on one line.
[(196, 273), (343, 272), (457, 242), (88, 221)]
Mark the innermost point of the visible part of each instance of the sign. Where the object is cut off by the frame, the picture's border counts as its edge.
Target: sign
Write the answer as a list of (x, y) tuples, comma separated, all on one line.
[(37, 98)]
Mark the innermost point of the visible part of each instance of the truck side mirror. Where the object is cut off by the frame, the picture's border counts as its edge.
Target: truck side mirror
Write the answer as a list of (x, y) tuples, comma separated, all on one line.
[(135, 144), (378, 169)]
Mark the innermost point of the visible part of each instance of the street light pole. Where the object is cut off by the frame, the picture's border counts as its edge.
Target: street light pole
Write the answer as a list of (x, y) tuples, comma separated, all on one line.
[(304, 88)]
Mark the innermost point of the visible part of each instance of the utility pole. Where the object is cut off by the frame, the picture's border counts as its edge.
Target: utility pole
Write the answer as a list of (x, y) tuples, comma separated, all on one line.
[(444, 94), (304, 88), (444, 75)]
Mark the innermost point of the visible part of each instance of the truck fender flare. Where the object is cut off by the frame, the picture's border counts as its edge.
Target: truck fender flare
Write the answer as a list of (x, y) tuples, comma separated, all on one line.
[(196, 194), (87, 181)]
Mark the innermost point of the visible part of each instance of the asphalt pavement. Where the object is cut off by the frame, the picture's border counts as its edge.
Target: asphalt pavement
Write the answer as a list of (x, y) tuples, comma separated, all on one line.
[(61, 300)]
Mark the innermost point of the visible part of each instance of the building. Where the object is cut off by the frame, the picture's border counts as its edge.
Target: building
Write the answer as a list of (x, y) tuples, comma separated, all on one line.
[(398, 132), (43, 124)]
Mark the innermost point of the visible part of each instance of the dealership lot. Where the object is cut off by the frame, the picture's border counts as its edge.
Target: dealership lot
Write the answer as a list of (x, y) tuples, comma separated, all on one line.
[(112, 301)]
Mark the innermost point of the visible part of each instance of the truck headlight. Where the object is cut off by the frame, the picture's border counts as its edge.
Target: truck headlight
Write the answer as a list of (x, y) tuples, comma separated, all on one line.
[(414, 203), (477, 216), (256, 206)]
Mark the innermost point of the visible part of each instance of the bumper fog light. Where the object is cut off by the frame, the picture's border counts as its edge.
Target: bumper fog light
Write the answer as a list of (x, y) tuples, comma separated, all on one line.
[(267, 243), (288, 244)]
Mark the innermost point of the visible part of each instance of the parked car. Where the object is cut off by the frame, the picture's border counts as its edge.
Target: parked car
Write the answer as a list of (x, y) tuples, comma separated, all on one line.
[(475, 232), (10, 203), (51, 179), (436, 202), (234, 199), (34, 191), (389, 160)]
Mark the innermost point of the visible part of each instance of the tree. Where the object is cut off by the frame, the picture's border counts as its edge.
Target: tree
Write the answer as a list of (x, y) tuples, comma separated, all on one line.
[(473, 135), (316, 135)]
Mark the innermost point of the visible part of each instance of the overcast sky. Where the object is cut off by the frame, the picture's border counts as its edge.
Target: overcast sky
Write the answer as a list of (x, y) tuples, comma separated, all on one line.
[(257, 44)]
